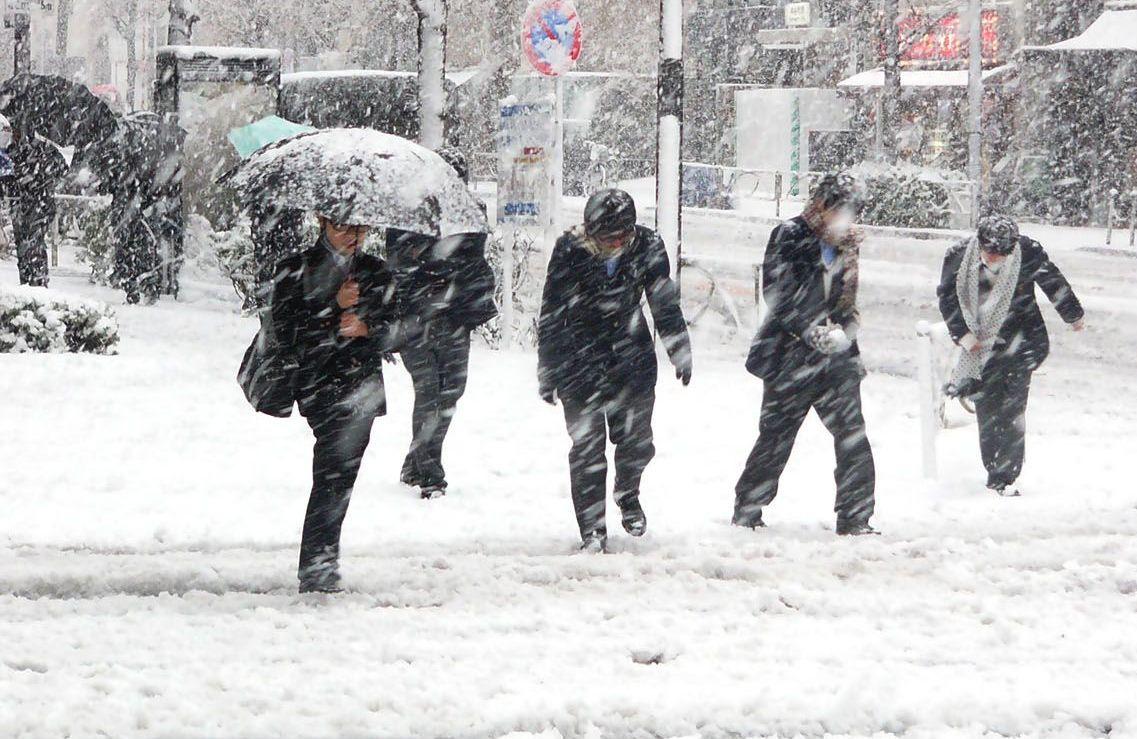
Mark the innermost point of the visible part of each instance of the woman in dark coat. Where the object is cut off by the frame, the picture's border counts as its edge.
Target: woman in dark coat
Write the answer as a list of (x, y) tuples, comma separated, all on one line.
[(596, 353), (334, 312), (987, 298)]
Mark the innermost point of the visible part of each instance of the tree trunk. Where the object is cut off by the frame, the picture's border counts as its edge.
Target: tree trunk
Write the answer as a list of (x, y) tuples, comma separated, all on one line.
[(432, 72), (182, 18), (131, 55)]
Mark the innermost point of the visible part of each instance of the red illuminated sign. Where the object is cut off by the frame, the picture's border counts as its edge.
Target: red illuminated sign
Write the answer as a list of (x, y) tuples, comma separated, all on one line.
[(925, 39)]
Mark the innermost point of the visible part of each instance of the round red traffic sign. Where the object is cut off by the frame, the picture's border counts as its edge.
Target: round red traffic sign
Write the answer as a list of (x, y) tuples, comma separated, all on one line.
[(552, 36)]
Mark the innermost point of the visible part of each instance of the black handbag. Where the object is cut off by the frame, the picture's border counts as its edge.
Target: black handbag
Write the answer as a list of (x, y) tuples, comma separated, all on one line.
[(268, 375)]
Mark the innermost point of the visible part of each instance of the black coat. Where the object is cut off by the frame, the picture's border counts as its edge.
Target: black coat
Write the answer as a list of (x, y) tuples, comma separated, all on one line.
[(306, 319), (447, 283), (38, 169), (593, 338), (793, 286), (1023, 341)]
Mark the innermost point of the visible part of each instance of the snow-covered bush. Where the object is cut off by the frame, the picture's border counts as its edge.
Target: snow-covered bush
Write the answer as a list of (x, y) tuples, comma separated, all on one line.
[(96, 244), (526, 290), (906, 197), (234, 252), (40, 320)]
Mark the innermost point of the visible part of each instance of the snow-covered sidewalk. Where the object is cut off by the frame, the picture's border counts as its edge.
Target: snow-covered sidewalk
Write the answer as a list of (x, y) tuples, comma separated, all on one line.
[(150, 525)]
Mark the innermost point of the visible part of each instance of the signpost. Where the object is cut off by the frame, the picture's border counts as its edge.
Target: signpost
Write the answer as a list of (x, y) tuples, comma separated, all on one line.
[(552, 39), (531, 140)]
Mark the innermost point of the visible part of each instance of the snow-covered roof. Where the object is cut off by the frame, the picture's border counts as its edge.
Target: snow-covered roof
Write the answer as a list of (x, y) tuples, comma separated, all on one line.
[(918, 78), (458, 78), (1116, 28), (340, 73), (219, 52)]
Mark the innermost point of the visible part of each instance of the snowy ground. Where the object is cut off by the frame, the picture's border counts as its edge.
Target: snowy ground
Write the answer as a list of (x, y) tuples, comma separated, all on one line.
[(150, 524)]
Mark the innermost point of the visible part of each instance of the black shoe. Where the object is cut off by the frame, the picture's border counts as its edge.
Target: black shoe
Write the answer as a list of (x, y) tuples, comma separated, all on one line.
[(410, 479), (856, 529), (632, 515), (595, 543), (748, 522), (1005, 491), (320, 579), (430, 492)]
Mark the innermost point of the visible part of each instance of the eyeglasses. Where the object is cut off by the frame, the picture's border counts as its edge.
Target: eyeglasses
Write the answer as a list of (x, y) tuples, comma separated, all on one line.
[(348, 228)]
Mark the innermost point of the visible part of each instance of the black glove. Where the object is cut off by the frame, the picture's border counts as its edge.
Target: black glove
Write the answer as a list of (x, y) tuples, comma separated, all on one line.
[(549, 395), (389, 358), (684, 365), (683, 374)]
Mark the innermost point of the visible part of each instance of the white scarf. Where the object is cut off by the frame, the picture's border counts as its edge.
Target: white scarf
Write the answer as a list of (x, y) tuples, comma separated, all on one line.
[(984, 321)]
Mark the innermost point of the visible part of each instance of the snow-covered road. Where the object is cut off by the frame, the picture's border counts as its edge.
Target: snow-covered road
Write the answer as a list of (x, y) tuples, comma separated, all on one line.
[(150, 521)]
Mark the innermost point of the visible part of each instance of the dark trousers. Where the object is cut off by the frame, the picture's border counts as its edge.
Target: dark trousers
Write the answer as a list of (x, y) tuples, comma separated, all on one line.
[(627, 421), (30, 231), (438, 371), (341, 440), (786, 401), (1000, 407)]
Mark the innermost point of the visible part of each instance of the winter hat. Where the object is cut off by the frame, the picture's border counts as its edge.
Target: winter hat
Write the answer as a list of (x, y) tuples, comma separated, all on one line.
[(839, 190), (609, 213), (998, 234), (457, 160)]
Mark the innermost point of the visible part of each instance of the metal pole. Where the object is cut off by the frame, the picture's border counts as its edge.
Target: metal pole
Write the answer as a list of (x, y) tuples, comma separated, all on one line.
[(508, 241), (1133, 219), (669, 141), (890, 95), (975, 101), (927, 385), (55, 240), (556, 165), (1109, 214)]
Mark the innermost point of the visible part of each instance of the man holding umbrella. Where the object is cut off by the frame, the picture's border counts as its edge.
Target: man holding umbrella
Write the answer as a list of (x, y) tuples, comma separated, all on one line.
[(596, 353), (334, 311)]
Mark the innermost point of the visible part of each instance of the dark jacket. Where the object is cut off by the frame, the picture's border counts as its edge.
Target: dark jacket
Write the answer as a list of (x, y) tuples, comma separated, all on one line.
[(38, 168), (593, 338), (793, 286), (306, 319), (447, 282), (1023, 342)]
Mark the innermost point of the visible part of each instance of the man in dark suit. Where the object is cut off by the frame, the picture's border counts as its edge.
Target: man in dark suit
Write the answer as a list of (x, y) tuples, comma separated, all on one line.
[(987, 298), (806, 353), (333, 308), (596, 353), (449, 286), (38, 168)]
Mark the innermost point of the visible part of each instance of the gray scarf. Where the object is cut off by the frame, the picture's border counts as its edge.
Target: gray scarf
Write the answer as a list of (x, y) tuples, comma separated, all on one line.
[(984, 321)]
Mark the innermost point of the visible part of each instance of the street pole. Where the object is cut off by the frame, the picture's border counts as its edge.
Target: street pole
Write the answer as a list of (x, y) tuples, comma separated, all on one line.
[(890, 103), (432, 72), (669, 144), (975, 101), (556, 165)]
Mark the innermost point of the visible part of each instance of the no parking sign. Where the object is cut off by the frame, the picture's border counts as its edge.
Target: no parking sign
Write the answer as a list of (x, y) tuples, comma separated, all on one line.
[(552, 36)]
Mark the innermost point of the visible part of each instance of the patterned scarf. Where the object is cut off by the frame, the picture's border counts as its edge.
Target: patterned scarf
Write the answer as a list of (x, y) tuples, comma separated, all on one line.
[(594, 247), (985, 320)]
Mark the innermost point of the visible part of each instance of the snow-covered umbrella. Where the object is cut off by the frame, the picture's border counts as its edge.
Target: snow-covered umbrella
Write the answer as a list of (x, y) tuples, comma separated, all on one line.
[(57, 109), (361, 176)]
